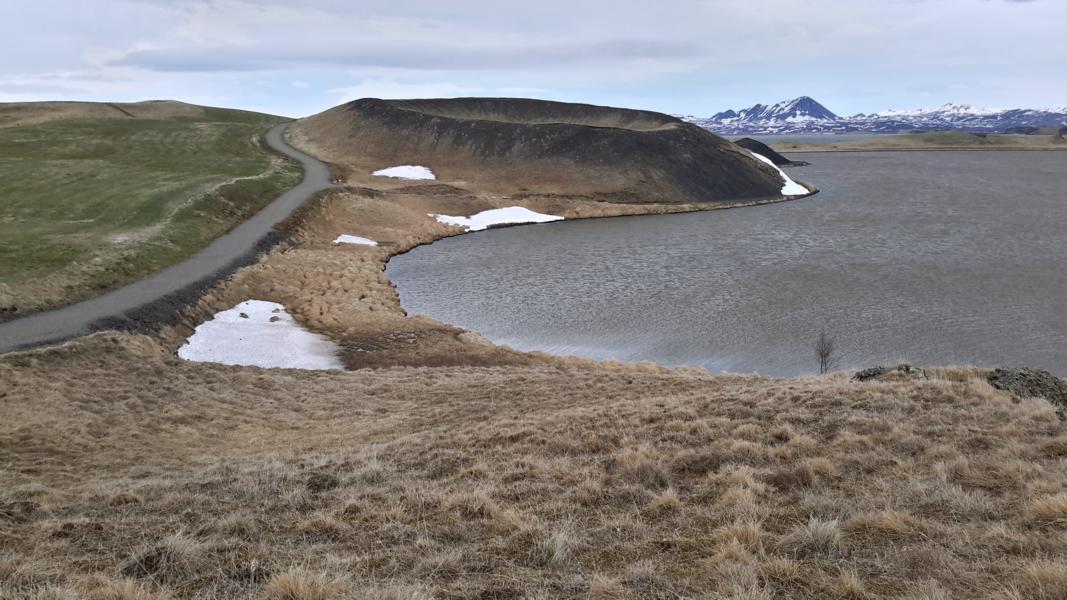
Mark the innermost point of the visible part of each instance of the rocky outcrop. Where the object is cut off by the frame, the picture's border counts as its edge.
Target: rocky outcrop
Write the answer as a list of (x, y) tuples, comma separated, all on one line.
[(534, 147), (1031, 383), (902, 372)]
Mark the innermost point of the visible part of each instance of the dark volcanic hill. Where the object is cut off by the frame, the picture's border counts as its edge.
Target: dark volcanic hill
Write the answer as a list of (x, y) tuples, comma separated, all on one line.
[(766, 151), (520, 146)]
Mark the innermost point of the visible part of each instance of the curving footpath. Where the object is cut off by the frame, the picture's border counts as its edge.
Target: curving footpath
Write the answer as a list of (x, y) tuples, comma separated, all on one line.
[(218, 258)]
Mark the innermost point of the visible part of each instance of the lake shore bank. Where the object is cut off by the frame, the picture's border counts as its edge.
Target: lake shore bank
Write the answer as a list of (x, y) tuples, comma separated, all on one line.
[(341, 290)]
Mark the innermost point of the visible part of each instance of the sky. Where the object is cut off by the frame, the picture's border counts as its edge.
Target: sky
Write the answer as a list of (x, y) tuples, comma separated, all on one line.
[(693, 57)]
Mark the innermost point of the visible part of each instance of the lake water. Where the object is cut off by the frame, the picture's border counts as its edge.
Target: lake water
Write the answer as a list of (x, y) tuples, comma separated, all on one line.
[(927, 257)]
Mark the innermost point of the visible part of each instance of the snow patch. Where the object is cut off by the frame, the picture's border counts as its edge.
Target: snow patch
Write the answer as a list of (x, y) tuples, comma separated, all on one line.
[(406, 172), (259, 334), (790, 187), (354, 239), (497, 216)]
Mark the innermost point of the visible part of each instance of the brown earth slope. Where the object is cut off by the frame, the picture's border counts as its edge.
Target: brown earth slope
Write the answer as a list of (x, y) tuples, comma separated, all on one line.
[(534, 147), (128, 474)]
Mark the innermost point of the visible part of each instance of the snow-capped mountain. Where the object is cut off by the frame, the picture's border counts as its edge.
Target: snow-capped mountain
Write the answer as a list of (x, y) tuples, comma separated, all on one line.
[(800, 110), (805, 115)]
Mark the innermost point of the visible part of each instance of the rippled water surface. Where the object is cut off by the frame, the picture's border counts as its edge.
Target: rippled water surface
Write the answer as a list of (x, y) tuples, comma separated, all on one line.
[(927, 257)]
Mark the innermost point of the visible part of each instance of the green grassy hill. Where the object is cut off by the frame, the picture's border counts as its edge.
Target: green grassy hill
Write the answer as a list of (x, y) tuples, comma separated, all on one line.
[(94, 196)]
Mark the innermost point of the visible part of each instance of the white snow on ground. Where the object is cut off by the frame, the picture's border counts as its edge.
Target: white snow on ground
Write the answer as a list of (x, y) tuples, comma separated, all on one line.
[(497, 216), (791, 188), (354, 239), (260, 334), (406, 172)]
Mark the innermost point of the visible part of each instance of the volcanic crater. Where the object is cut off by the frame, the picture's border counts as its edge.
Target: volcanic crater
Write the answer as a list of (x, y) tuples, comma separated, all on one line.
[(536, 147)]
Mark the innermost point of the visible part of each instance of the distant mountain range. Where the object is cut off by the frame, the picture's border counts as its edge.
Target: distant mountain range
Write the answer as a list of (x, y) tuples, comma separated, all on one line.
[(805, 115)]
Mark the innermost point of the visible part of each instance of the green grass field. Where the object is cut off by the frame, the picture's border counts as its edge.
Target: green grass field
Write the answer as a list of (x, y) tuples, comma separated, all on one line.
[(89, 205)]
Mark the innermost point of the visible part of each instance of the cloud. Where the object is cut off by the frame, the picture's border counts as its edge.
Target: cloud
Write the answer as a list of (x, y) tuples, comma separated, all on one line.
[(690, 56), (381, 88), (430, 55)]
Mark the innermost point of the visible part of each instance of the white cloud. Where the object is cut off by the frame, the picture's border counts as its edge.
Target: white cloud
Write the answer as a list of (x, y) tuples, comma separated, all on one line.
[(691, 56), (382, 88)]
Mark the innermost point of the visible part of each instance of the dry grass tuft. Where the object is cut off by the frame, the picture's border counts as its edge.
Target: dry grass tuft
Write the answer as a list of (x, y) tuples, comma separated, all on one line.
[(643, 466), (850, 585), (930, 590), (819, 537), (400, 592), (473, 505), (666, 501), (300, 584), (124, 589), (747, 534), (176, 558), (1044, 580), (782, 570), (607, 588), (1056, 448), (557, 547), (888, 524), (1049, 510)]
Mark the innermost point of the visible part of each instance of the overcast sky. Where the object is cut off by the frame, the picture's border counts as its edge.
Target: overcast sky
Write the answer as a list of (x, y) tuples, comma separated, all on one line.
[(678, 56)]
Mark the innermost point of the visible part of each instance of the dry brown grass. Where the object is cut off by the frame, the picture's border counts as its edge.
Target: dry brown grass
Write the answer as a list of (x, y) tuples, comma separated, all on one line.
[(130, 474)]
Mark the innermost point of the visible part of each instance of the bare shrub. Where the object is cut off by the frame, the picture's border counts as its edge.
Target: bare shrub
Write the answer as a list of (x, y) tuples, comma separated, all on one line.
[(824, 352)]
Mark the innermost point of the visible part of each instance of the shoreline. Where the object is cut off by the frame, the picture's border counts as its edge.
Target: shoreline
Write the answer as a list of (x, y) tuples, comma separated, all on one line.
[(683, 209), (816, 150), (960, 149), (357, 305)]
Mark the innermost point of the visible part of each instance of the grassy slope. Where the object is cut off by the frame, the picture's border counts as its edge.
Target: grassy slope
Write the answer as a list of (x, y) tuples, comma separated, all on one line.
[(126, 472), (933, 140), (87, 205)]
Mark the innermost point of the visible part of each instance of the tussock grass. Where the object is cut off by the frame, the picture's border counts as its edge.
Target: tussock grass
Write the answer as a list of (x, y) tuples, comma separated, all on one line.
[(129, 474), (301, 584)]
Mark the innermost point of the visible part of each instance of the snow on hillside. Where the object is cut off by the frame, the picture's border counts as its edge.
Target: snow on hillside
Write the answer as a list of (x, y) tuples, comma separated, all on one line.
[(259, 334), (789, 187), (406, 172), (511, 215)]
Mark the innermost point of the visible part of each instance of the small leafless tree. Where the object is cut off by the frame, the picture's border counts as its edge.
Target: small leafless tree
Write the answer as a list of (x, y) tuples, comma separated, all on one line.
[(824, 351)]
